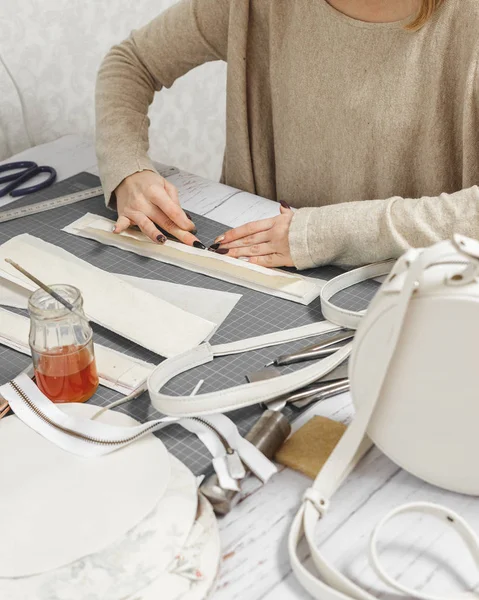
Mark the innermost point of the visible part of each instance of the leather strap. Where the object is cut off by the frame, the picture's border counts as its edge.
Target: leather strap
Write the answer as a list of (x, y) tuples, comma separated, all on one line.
[(235, 397), (264, 391), (342, 316), (446, 516), (354, 444)]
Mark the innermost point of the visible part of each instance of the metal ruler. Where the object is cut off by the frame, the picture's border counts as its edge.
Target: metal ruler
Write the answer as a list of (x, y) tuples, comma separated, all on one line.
[(38, 207)]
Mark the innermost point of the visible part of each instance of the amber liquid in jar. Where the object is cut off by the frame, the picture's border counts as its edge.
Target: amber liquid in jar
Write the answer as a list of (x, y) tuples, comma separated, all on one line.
[(67, 375), (61, 341)]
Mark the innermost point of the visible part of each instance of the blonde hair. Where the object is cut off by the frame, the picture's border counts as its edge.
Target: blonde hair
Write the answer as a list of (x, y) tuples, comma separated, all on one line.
[(428, 7)]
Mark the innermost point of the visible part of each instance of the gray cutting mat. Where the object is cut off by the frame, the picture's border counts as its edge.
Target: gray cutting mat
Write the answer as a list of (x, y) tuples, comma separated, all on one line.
[(255, 314)]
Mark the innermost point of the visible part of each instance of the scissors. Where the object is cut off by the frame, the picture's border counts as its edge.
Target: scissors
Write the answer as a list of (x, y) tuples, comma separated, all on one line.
[(28, 170)]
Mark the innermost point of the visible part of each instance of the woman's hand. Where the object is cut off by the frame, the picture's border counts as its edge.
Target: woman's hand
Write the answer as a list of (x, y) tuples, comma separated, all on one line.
[(145, 199), (262, 243)]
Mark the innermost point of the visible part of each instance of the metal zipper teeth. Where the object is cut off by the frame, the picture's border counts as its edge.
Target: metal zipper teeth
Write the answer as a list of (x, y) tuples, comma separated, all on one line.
[(70, 432), (102, 442), (223, 440)]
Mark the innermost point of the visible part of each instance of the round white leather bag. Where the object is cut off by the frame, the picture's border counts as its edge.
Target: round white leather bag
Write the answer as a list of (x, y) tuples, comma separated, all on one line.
[(413, 372), (421, 337)]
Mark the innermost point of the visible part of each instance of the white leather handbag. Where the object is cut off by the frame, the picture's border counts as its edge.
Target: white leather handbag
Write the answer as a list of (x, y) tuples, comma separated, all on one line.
[(413, 372)]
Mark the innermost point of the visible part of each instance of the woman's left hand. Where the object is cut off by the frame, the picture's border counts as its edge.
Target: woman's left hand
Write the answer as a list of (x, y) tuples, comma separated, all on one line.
[(263, 242)]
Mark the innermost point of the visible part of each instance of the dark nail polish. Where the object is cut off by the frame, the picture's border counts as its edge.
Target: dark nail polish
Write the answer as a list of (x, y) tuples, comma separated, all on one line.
[(199, 245), (214, 247), (161, 239), (222, 251), (285, 205)]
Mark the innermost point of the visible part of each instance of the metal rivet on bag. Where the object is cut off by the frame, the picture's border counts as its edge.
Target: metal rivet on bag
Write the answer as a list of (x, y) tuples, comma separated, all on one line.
[(457, 277)]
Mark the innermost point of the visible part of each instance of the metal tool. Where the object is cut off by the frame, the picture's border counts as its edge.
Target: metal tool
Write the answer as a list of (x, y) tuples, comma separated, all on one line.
[(311, 393), (23, 171), (46, 205), (48, 290), (321, 350), (339, 372), (318, 392), (268, 434)]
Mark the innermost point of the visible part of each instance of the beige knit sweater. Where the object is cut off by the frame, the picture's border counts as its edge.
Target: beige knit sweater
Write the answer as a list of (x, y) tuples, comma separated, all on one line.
[(375, 127)]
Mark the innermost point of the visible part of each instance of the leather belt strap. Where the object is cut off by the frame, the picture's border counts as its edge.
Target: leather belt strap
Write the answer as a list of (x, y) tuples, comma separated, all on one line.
[(263, 391)]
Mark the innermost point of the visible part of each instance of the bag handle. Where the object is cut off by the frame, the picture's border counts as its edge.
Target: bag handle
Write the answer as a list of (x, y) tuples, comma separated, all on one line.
[(354, 443), (263, 391), (445, 515)]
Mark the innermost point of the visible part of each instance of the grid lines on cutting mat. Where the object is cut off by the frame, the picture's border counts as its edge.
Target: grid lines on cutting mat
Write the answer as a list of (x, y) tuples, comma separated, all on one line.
[(255, 314)]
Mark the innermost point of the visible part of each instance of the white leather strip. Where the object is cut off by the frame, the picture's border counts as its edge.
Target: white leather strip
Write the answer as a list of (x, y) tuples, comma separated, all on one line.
[(290, 286), (341, 316), (274, 339), (232, 398), (449, 517), (109, 300), (116, 371), (212, 305)]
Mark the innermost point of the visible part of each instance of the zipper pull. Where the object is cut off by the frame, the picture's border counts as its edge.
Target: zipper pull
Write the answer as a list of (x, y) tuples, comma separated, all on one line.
[(235, 466), (222, 472), (249, 455)]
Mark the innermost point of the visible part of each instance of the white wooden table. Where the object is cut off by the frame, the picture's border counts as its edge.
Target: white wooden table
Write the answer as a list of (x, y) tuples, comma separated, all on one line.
[(417, 549)]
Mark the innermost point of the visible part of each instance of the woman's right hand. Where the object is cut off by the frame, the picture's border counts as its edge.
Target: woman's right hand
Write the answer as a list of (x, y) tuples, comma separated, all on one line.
[(145, 199)]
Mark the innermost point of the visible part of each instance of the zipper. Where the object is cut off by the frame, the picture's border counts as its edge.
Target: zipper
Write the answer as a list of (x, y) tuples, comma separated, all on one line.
[(223, 440), (76, 434), (234, 463)]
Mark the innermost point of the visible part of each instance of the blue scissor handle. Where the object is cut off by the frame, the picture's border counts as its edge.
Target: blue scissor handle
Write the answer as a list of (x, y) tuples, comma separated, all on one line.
[(26, 165), (31, 169)]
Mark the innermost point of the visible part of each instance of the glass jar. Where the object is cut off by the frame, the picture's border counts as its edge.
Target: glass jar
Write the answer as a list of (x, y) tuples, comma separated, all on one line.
[(62, 346)]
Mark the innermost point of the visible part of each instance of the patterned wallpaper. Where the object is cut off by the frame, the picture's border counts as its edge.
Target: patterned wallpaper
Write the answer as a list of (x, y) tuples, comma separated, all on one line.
[(53, 49)]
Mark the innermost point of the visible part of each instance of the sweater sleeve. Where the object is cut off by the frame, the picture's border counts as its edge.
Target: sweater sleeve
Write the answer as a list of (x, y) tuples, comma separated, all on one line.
[(188, 34), (358, 233)]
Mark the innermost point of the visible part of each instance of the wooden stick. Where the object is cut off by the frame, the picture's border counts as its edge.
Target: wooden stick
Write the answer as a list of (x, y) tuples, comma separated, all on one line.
[(47, 289)]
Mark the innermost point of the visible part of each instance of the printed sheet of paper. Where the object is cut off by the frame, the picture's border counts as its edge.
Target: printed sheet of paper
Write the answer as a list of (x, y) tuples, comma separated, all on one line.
[(108, 300), (270, 281)]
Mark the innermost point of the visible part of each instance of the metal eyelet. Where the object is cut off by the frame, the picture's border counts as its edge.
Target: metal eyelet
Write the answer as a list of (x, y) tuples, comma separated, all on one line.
[(469, 275)]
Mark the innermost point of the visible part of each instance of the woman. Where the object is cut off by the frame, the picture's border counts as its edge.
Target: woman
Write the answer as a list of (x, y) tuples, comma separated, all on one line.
[(364, 114)]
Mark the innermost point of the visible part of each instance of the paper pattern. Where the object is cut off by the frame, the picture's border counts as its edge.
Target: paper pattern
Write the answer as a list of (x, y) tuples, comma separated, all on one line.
[(47, 516), (278, 283), (211, 305), (108, 300)]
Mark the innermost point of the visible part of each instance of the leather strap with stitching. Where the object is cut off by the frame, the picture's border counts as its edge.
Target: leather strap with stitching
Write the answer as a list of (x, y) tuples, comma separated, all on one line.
[(253, 393)]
